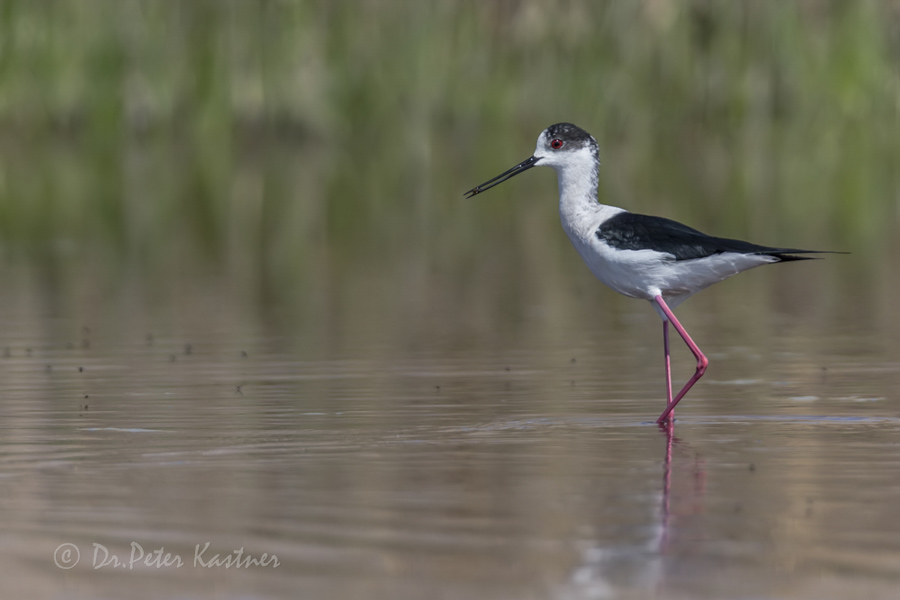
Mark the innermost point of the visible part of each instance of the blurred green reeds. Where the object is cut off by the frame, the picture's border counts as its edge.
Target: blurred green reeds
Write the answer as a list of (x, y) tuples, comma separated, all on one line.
[(278, 136)]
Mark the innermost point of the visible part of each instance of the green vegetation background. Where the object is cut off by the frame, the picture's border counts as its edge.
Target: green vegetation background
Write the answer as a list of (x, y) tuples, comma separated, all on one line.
[(282, 141)]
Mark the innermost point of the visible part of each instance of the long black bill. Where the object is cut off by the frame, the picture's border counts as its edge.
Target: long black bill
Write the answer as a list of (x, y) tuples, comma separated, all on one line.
[(519, 168)]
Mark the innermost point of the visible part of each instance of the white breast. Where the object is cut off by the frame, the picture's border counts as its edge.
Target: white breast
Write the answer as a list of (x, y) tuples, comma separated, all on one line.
[(635, 273), (648, 273)]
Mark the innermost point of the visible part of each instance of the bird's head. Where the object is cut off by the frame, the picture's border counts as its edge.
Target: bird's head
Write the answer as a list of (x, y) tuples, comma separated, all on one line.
[(562, 146)]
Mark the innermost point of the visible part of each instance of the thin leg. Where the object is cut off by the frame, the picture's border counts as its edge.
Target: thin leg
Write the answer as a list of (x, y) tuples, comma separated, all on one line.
[(668, 363), (701, 359)]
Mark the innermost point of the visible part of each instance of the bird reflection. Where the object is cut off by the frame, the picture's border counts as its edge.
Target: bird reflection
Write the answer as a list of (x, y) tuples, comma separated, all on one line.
[(698, 487), (606, 570)]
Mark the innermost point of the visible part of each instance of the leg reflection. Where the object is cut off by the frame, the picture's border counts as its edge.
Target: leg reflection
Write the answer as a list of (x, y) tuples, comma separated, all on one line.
[(693, 500)]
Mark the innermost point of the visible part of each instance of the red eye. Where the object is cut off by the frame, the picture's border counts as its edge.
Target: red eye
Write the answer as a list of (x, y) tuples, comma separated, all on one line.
[(556, 144)]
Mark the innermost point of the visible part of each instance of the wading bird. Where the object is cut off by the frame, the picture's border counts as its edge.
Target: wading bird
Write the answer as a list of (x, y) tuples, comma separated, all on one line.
[(640, 256)]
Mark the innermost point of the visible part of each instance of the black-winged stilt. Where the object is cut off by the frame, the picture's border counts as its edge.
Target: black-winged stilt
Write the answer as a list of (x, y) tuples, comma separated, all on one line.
[(640, 256)]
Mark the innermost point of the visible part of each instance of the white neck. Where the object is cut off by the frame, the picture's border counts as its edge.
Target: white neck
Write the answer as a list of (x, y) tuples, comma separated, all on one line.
[(578, 180)]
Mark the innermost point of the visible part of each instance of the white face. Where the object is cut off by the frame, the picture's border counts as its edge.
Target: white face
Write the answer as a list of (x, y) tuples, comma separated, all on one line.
[(559, 153), (567, 148)]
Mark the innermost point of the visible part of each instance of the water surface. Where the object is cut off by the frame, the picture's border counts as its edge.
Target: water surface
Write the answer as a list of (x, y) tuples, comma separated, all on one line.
[(523, 467)]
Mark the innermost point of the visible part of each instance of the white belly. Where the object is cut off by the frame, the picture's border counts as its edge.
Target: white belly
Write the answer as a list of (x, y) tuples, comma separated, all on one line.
[(647, 273)]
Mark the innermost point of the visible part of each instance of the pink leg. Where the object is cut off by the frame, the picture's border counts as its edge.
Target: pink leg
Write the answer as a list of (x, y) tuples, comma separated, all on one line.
[(668, 364), (701, 359)]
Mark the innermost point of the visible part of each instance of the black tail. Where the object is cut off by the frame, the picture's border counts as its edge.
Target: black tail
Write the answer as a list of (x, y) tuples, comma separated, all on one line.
[(786, 255)]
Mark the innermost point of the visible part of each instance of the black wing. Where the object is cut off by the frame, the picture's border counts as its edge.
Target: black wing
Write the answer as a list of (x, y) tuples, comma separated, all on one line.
[(629, 231)]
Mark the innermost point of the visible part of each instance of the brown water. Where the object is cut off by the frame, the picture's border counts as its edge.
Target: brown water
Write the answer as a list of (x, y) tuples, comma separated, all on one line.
[(466, 457)]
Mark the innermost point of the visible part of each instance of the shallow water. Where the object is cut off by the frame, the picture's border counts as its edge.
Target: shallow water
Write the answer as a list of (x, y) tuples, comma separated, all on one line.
[(520, 465)]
